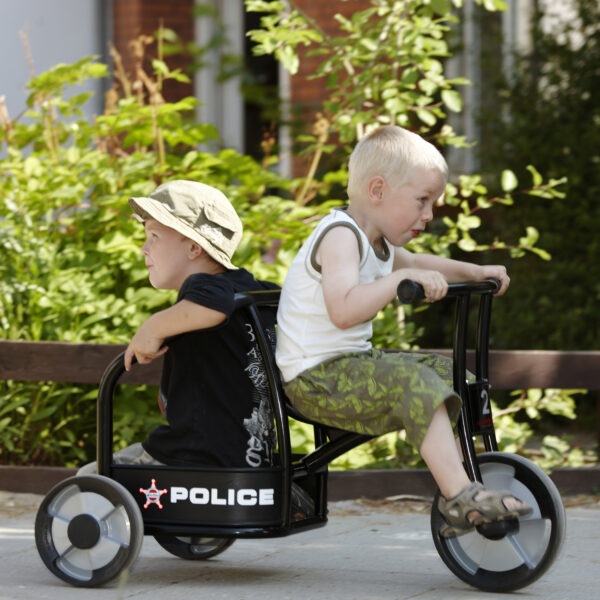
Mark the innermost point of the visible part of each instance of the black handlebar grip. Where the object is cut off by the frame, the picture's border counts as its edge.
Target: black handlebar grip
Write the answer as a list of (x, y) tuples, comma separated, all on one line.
[(497, 282), (408, 291)]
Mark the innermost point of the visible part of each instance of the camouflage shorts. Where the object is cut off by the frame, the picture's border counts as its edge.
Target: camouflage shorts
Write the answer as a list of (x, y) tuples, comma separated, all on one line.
[(376, 392)]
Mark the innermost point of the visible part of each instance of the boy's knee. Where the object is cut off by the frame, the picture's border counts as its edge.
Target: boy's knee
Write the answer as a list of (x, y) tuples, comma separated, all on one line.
[(89, 469)]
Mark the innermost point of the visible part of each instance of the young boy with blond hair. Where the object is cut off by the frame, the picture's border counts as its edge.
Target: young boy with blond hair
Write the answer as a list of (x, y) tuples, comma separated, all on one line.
[(347, 270)]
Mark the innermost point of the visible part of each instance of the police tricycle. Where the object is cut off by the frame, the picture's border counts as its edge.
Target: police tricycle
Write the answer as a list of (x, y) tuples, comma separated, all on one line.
[(89, 528)]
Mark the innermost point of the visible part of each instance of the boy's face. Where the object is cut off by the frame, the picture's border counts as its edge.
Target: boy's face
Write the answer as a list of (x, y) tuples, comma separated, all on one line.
[(404, 210), (166, 255)]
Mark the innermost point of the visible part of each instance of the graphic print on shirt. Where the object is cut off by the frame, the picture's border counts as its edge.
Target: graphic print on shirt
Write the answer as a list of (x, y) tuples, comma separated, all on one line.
[(261, 440)]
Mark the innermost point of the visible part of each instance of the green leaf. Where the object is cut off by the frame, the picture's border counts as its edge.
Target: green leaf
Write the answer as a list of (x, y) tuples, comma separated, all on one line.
[(554, 444), (32, 166), (467, 244), (73, 155), (428, 86), (531, 237), (466, 222), (410, 76), (177, 75), (427, 117), (509, 180), (441, 7), (494, 5), (541, 253), (537, 178), (167, 34), (44, 413), (288, 58), (369, 44), (452, 99), (264, 6)]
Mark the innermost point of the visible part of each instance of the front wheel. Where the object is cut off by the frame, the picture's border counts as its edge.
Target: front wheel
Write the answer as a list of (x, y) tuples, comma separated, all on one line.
[(193, 548), (508, 555)]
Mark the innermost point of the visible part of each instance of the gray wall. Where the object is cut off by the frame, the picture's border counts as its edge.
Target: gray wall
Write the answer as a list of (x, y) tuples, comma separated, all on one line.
[(59, 31)]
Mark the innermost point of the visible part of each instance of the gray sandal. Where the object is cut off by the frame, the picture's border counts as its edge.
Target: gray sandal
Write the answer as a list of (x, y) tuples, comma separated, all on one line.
[(458, 511)]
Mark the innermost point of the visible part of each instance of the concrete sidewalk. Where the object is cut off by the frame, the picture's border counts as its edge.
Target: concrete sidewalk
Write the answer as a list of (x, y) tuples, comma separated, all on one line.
[(368, 550)]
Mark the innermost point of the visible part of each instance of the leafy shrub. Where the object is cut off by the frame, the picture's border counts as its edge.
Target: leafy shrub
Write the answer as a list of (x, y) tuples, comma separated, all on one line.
[(386, 66), (553, 114), (72, 269)]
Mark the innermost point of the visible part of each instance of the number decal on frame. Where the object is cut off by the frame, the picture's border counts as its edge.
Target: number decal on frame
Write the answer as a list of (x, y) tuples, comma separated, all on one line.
[(485, 405)]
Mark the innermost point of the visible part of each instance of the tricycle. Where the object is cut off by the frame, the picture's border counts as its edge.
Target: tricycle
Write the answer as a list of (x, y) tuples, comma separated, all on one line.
[(90, 528)]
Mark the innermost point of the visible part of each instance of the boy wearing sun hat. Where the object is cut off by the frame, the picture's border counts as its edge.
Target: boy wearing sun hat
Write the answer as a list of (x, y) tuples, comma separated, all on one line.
[(212, 391)]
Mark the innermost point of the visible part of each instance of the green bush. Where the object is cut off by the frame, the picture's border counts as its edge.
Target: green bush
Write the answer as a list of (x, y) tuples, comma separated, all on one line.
[(552, 114), (386, 66), (72, 269)]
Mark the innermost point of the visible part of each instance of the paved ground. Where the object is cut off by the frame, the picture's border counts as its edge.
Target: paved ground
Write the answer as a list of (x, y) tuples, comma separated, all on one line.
[(368, 551)]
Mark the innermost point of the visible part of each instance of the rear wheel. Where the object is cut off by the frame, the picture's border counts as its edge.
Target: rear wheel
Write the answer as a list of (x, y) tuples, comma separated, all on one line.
[(193, 548), (88, 529), (508, 555)]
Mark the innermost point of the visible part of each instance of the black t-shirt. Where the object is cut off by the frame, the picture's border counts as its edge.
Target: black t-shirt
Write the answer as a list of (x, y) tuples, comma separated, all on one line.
[(214, 385)]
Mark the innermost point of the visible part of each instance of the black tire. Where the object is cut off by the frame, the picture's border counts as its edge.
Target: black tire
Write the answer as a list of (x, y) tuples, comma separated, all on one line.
[(509, 555), (193, 548), (88, 530)]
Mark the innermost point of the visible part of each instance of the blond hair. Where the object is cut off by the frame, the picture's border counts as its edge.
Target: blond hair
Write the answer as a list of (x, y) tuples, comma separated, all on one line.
[(391, 152)]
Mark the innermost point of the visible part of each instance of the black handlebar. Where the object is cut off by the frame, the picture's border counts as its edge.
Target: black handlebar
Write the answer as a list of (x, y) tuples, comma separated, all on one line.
[(410, 291)]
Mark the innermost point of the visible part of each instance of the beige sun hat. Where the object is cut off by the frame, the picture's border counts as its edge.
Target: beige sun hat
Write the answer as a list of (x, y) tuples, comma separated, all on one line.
[(197, 211)]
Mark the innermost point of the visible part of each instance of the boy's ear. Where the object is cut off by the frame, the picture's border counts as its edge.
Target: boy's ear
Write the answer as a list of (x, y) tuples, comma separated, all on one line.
[(375, 188), (195, 250)]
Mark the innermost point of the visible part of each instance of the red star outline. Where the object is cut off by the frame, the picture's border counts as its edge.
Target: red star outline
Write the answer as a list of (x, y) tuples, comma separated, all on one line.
[(153, 495)]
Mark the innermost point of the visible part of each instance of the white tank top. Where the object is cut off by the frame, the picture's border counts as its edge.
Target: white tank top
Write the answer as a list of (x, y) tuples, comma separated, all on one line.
[(305, 334)]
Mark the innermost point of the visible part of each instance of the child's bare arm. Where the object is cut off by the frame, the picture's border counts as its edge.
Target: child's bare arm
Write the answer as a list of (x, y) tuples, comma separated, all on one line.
[(348, 301), (147, 343)]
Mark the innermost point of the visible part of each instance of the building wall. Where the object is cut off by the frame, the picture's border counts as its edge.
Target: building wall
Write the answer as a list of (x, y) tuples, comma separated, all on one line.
[(132, 18), (305, 93), (67, 30), (304, 90), (60, 31)]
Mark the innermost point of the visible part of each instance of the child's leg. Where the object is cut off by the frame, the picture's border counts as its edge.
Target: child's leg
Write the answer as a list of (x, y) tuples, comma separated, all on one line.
[(376, 392), (440, 453)]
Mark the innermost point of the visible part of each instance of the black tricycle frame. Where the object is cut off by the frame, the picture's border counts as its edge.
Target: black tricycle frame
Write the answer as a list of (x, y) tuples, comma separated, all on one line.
[(211, 496), (89, 528)]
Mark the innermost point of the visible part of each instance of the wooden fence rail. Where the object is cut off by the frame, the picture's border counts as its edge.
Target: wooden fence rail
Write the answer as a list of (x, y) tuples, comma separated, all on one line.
[(85, 363)]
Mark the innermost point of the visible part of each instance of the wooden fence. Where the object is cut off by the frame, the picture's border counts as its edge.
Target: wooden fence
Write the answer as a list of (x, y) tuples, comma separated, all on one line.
[(514, 369), (85, 363)]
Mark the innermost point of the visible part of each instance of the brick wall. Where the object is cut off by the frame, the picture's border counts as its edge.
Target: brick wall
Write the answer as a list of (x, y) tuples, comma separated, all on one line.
[(308, 93), (135, 17), (132, 18)]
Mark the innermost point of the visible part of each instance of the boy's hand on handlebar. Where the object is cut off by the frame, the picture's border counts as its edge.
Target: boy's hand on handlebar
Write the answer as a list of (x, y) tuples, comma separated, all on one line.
[(497, 272), (144, 347), (434, 283), (143, 358)]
